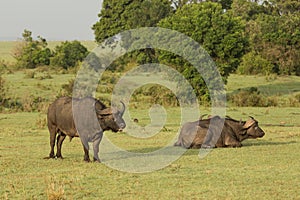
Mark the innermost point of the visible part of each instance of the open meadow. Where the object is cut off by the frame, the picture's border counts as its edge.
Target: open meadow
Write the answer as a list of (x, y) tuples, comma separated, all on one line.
[(265, 168)]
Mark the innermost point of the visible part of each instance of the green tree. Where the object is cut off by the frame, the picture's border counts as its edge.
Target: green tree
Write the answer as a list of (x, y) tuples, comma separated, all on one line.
[(272, 27), (68, 54), (248, 10), (284, 7), (121, 15), (218, 32), (253, 63), (277, 39), (31, 53)]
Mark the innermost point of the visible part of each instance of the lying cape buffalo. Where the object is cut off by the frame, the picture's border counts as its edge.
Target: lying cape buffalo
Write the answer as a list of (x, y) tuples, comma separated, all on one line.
[(218, 132), (88, 118)]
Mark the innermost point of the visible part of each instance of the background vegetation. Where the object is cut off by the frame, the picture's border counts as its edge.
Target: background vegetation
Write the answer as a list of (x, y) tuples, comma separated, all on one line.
[(244, 37)]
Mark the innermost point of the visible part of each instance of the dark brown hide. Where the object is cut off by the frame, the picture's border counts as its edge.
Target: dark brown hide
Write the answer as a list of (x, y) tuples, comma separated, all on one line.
[(92, 118), (218, 132)]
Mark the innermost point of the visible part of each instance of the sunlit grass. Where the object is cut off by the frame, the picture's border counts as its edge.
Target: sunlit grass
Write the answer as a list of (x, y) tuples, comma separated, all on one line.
[(266, 168)]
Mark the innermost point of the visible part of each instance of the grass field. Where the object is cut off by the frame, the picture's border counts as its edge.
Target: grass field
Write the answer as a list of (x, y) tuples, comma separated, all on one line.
[(266, 168)]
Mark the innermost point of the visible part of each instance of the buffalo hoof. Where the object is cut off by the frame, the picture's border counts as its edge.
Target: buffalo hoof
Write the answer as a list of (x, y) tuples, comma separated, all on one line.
[(49, 157), (87, 160), (97, 160), (59, 157)]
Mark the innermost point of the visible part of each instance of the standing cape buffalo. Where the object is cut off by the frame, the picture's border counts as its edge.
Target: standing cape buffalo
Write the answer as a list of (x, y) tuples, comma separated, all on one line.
[(218, 132), (87, 118)]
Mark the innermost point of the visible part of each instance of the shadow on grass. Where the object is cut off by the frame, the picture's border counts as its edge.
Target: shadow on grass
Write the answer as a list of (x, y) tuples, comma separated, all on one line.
[(246, 144), (266, 143), (149, 152), (171, 150)]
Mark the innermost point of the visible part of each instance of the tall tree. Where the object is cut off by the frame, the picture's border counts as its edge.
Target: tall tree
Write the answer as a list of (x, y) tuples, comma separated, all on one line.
[(121, 15), (219, 33), (273, 35)]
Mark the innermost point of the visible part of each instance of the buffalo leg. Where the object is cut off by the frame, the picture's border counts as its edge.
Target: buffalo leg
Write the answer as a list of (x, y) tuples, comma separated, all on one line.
[(52, 130), (96, 144), (231, 142), (61, 137), (85, 145)]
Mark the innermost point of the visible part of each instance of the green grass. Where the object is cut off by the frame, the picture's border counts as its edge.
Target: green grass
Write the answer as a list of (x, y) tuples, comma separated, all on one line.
[(281, 85), (266, 168), (6, 48), (20, 86)]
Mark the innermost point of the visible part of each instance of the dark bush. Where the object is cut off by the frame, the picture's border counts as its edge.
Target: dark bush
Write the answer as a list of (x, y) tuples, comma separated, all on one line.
[(3, 91), (68, 54), (252, 97), (253, 64)]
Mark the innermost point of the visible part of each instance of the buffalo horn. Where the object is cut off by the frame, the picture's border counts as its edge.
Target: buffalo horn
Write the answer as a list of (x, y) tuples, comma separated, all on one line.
[(249, 123), (123, 109)]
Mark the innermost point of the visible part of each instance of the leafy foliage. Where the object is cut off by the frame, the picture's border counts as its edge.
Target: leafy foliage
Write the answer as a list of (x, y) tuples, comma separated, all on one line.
[(32, 53), (251, 97), (254, 64), (68, 54), (121, 15), (273, 32), (219, 33)]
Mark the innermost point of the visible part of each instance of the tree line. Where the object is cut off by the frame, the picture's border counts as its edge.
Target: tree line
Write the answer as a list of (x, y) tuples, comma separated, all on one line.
[(247, 36), (244, 36)]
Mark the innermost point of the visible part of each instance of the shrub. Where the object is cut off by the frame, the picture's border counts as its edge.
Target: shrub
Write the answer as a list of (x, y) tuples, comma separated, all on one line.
[(155, 94), (252, 97), (66, 89), (30, 103), (3, 91), (44, 76), (294, 101), (31, 53), (68, 54), (29, 74), (254, 64)]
